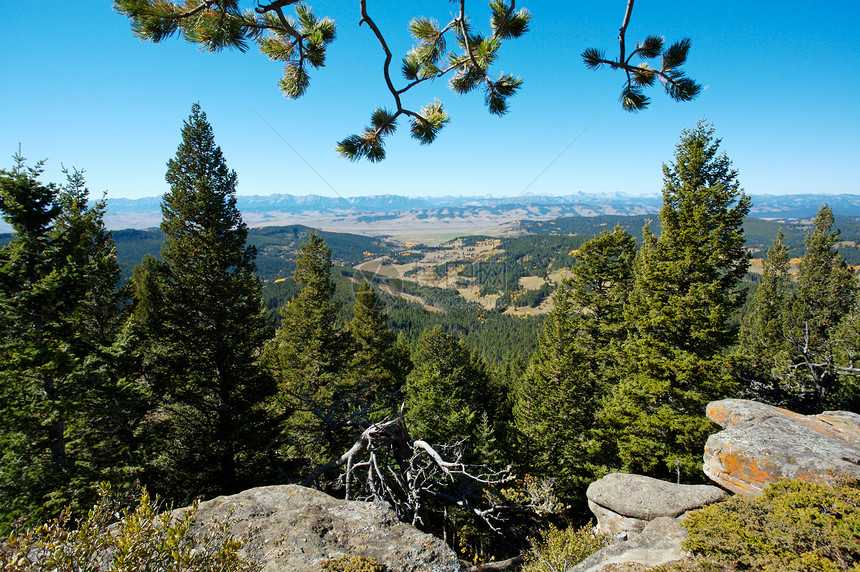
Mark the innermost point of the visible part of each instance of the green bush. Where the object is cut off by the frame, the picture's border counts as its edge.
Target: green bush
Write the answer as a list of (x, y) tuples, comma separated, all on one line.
[(110, 538), (558, 549), (351, 563), (794, 525)]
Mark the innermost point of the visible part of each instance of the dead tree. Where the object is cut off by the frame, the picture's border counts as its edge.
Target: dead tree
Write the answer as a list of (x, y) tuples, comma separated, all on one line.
[(387, 464)]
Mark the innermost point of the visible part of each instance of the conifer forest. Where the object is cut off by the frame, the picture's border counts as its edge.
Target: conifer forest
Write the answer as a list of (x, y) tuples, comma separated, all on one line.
[(207, 358)]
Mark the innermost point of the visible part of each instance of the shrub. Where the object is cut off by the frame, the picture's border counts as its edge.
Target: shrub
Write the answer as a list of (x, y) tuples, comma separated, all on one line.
[(351, 563), (560, 549), (109, 538), (794, 525)]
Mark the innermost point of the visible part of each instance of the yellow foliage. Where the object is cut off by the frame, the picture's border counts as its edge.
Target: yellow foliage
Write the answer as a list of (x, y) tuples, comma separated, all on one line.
[(559, 549)]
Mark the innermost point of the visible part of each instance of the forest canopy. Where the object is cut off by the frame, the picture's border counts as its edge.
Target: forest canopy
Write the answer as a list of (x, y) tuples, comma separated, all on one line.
[(181, 381)]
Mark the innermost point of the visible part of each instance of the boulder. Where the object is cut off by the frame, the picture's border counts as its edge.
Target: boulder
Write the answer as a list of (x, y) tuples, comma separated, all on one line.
[(658, 543), (761, 444), (296, 528), (625, 503)]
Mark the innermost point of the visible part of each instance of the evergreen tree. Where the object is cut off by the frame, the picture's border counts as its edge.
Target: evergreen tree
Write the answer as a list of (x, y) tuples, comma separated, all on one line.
[(89, 252), (64, 425), (763, 330), (110, 404), (450, 396), (308, 357), (844, 394), (826, 292), (204, 323), (378, 365), (453, 404), (575, 362), (803, 340), (684, 294)]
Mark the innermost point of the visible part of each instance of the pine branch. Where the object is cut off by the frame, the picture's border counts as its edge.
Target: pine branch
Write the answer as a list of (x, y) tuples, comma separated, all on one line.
[(677, 85), (301, 42), (419, 65)]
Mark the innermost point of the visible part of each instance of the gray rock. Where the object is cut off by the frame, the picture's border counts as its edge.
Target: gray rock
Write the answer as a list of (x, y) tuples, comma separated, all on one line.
[(297, 528), (618, 526), (762, 444), (658, 543), (644, 498)]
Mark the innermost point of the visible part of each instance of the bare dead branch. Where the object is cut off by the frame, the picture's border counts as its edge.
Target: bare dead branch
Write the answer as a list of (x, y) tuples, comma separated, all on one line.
[(419, 472)]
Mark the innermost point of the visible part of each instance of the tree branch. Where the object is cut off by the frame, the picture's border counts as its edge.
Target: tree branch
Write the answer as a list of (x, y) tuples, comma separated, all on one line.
[(365, 17), (347, 457), (203, 6), (623, 30), (419, 466)]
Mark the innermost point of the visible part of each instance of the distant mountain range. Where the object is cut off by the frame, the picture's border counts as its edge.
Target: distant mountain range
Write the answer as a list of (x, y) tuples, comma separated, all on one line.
[(286, 209), (273, 208), (396, 214)]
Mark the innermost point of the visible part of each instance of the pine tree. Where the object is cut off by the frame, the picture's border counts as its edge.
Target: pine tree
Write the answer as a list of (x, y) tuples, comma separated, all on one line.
[(203, 321), (802, 340), (378, 365), (90, 253), (574, 365), (450, 394), (683, 296), (844, 395), (65, 422), (110, 405), (308, 357), (763, 330), (826, 291)]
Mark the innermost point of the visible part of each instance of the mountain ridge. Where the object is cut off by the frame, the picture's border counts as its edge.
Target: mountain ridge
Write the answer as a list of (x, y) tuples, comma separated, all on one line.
[(423, 217), (379, 214)]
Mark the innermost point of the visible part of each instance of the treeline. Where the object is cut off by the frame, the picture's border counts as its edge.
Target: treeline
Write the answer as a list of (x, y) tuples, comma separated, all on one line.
[(640, 340), (182, 382), (759, 232)]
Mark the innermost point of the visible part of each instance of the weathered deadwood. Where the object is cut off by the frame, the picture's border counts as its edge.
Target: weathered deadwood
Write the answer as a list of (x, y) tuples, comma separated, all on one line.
[(388, 433), (419, 472)]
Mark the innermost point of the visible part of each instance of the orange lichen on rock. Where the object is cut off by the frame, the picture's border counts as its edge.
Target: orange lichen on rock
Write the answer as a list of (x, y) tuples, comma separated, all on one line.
[(746, 476), (761, 444)]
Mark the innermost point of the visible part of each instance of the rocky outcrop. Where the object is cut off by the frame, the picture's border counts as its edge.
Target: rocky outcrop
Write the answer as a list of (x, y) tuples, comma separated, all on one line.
[(761, 444), (296, 528), (625, 503), (658, 543)]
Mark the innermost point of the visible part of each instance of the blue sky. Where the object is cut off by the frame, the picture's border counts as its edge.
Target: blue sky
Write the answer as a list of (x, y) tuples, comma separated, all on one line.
[(781, 86)]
